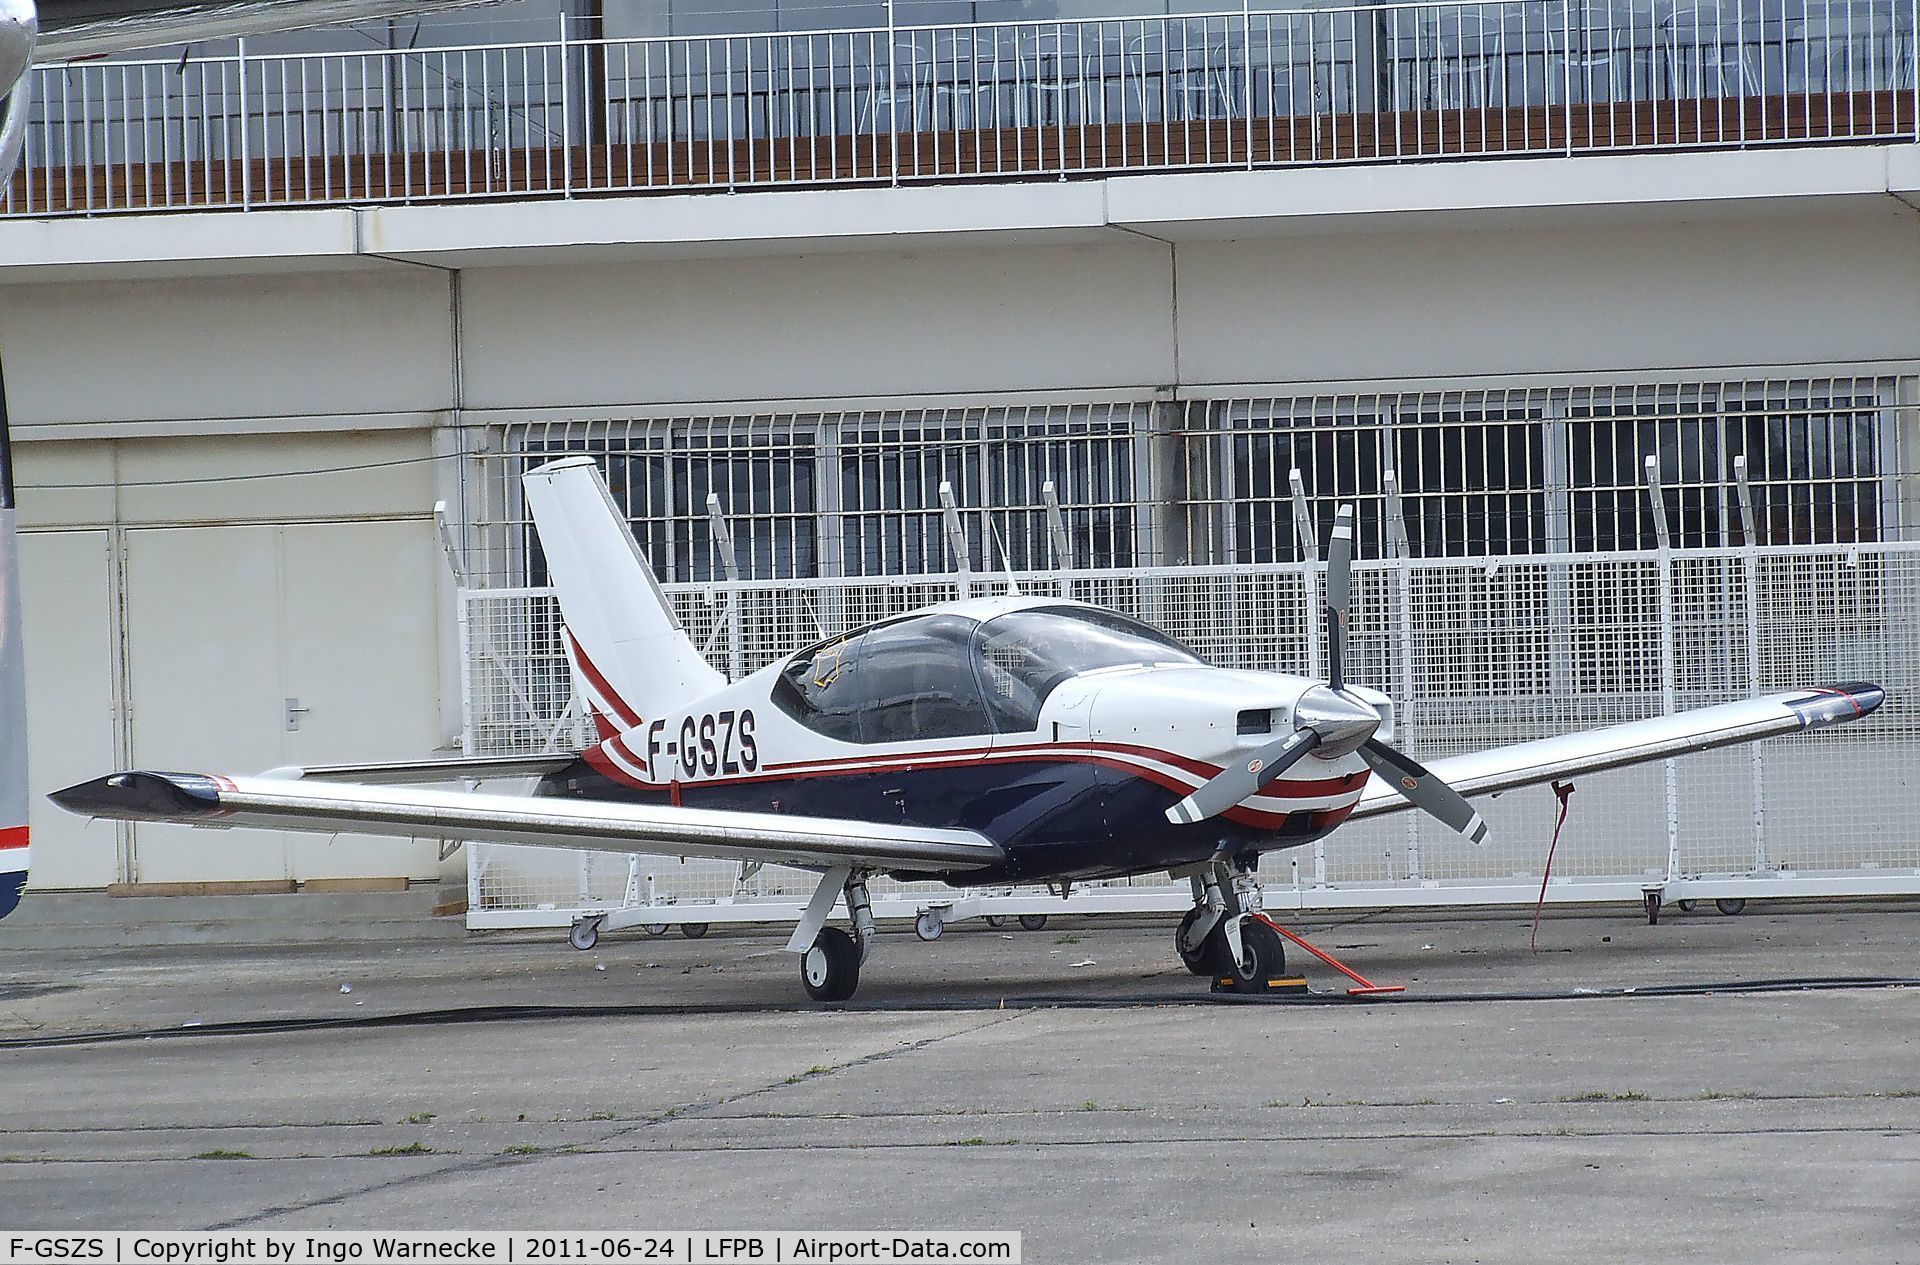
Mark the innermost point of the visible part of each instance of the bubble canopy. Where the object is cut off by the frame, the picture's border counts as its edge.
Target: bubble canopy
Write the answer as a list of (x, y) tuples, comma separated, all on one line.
[(945, 675)]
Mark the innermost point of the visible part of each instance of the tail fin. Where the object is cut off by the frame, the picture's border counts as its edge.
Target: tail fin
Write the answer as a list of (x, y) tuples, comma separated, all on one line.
[(630, 653), (13, 690)]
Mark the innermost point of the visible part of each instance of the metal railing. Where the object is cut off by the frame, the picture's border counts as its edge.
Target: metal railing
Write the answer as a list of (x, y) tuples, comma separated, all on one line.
[(1252, 88)]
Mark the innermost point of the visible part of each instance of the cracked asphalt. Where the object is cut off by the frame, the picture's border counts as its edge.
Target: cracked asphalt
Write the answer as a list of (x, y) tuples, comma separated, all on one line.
[(1135, 1121)]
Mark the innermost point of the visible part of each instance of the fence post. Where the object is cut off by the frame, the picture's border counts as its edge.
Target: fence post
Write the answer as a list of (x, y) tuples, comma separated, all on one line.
[(1566, 65), (1664, 562), (1751, 544), (956, 537), (723, 545), (246, 140), (1401, 555), (1309, 609), (566, 114), (1057, 534)]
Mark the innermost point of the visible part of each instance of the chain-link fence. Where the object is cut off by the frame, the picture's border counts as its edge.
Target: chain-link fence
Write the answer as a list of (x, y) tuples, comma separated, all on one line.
[(1475, 653)]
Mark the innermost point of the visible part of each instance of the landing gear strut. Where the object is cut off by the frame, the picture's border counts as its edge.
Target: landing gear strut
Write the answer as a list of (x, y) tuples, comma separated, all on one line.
[(1218, 938)]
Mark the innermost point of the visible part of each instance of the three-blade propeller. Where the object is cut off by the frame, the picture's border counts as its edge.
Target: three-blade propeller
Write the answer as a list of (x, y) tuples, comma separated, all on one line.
[(1330, 722)]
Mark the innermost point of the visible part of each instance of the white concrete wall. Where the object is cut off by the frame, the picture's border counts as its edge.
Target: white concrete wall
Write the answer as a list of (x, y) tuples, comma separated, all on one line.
[(1604, 299), (927, 323), (285, 344)]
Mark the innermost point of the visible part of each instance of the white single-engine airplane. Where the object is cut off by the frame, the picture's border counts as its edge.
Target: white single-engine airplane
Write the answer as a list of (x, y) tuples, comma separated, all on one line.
[(991, 740)]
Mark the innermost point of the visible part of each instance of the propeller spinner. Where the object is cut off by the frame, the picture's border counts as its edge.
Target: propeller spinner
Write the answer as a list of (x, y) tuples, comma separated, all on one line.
[(1329, 722)]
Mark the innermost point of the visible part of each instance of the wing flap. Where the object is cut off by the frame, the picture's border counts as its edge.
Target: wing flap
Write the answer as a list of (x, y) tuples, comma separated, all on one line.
[(414, 772), (1637, 742), (536, 821)]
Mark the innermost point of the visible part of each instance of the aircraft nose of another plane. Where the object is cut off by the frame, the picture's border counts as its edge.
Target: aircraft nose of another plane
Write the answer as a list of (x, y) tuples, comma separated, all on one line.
[(1343, 722)]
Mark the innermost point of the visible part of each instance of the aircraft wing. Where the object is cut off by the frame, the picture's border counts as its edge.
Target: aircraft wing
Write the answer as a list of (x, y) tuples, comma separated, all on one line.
[(1637, 742), (279, 803)]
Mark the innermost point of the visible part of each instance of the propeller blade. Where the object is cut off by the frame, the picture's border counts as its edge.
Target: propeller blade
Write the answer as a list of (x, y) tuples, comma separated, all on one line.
[(1339, 593), (1243, 778), (1423, 790)]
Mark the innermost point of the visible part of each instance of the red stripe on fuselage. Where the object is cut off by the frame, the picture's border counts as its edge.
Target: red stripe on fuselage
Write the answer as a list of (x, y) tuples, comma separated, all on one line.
[(13, 837), (1118, 756), (622, 710)]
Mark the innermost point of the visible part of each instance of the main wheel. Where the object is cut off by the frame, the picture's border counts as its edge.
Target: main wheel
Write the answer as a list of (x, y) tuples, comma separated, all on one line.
[(830, 970), (693, 930), (1262, 956), (929, 925), (584, 934), (1034, 922), (1199, 959)]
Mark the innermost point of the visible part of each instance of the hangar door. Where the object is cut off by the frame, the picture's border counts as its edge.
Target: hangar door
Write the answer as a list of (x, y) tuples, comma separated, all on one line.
[(252, 647), (66, 583)]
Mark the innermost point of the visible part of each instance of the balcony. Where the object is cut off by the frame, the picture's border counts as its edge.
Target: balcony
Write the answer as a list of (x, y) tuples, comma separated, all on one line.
[(1057, 99)]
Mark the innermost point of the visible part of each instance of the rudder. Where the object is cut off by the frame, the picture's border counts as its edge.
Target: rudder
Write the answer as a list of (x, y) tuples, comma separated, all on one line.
[(631, 655)]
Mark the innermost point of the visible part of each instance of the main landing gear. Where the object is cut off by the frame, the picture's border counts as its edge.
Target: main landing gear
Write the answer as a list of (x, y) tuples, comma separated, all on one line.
[(830, 958), (1220, 940)]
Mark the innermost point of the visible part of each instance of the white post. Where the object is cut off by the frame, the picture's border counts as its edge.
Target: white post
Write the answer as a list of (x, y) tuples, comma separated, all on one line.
[(1402, 554), (1057, 534), (956, 533), (1657, 496), (722, 537), (1751, 543), (1310, 609)]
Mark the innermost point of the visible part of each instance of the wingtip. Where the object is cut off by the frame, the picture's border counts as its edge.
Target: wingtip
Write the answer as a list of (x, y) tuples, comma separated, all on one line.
[(137, 795), (1835, 704)]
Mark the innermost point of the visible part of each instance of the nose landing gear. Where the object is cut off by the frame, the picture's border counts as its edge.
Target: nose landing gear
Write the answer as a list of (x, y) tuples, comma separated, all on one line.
[(1222, 940)]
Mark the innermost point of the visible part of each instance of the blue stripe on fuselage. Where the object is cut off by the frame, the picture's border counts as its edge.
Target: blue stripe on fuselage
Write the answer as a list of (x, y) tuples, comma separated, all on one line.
[(10, 888), (1056, 819)]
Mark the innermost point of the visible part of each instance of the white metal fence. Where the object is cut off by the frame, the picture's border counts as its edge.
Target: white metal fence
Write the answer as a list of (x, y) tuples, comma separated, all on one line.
[(1251, 87), (1476, 653)]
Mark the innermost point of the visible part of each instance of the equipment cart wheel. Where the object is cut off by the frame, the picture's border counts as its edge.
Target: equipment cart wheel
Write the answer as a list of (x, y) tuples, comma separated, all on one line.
[(1034, 922), (657, 928), (1197, 960), (1730, 905), (584, 934), (830, 970), (929, 925), (1262, 956), (693, 930), (996, 920), (1687, 906)]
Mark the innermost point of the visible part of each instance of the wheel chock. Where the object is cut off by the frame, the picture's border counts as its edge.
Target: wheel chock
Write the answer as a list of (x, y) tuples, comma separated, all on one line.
[(1362, 986), (1276, 986)]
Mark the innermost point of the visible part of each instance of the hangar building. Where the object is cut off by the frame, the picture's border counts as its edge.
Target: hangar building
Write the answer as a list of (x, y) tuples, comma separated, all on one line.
[(264, 304)]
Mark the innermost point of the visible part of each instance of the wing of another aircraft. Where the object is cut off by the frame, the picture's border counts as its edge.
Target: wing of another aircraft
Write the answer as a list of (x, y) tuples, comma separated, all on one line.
[(281, 803), (1637, 742)]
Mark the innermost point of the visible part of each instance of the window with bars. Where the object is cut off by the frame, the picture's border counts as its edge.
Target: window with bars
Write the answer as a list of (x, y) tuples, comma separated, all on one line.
[(1528, 471), (1471, 470), (857, 493), (660, 474)]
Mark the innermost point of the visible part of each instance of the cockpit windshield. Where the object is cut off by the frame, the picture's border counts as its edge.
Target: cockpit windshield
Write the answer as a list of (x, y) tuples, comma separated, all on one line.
[(1023, 655)]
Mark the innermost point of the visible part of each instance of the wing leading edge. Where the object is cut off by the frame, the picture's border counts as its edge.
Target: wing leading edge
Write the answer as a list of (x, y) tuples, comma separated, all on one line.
[(199, 799), (1637, 742)]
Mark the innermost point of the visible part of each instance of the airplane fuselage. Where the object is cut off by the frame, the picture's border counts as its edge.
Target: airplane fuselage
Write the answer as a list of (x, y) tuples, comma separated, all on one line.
[(1080, 791)]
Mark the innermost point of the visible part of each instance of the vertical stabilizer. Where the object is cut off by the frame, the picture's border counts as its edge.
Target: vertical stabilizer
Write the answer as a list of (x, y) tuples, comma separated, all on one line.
[(17, 26), (631, 656)]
